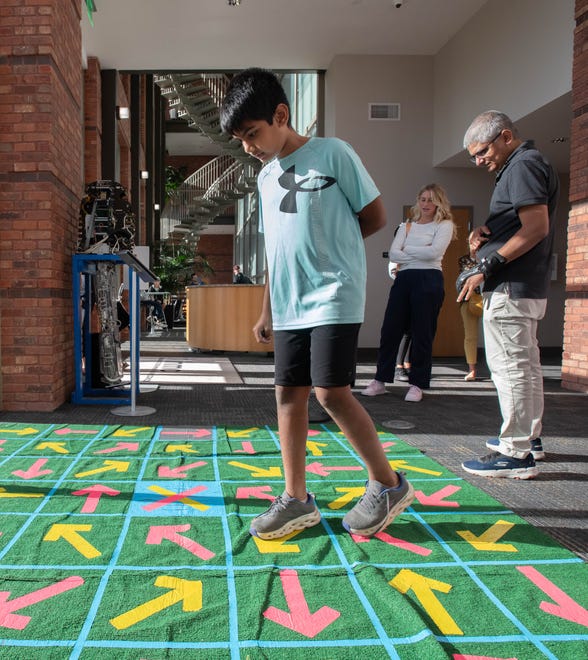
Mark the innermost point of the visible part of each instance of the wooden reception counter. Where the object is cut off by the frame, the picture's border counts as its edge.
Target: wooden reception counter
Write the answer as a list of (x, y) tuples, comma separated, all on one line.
[(220, 317)]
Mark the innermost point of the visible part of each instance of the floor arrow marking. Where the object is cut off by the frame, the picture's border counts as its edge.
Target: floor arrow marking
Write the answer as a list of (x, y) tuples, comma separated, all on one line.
[(278, 545), (120, 446), (71, 534), (5, 493), (256, 471), (186, 448), (487, 540), (260, 492), (243, 433), (564, 607), (349, 494), (26, 431), (437, 498), (178, 472), (188, 592), (130, 433), (299, 618), (325, 470), (19, 621), (158, 533), (117, 466), (176, 497), (68, 431), (404, 466), (34, 470), (398, 543), (57, 447), (247, 448), (423, 588), (94, 494), (199, 433), (315, 447)]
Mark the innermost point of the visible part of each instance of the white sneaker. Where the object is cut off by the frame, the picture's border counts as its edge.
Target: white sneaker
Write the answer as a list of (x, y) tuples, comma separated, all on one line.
[(374, 388), (414, 394)]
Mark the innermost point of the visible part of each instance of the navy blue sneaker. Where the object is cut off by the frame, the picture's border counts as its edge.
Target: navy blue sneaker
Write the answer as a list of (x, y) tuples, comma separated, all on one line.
[(499, 465), (536, 447)]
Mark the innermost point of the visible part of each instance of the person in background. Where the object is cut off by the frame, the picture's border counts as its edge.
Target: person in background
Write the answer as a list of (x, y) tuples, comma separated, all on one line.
[(196, 280), (317, 204), (402, 371), (513, 252), (238, 277), (470, 323), (417, 295)]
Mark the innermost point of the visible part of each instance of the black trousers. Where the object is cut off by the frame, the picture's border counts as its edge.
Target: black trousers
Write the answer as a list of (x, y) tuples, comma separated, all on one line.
[(414, 303)]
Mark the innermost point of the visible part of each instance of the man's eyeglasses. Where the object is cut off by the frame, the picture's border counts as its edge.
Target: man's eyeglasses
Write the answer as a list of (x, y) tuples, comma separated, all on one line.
[(482, 152)]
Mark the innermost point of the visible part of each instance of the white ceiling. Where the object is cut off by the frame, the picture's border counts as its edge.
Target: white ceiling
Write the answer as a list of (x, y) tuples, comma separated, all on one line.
[(175, 35)]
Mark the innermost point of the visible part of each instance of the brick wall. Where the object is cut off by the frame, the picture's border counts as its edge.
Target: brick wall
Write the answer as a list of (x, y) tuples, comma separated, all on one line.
[(41, 184), (92, 122), (575, 353), (218, 249)]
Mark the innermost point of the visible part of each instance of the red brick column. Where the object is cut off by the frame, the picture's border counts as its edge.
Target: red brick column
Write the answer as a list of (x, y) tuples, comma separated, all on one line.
[(92, 122), (40, 189), (575, 355)]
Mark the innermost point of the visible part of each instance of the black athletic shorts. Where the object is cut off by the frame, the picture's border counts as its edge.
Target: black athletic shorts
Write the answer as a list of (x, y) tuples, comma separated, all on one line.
[(324, 356)]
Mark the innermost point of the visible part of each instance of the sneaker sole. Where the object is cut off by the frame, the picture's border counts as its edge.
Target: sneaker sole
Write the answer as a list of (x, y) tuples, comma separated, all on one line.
[(303, 522), (537, 455), (515, 473), (374, 393), (399, 507)]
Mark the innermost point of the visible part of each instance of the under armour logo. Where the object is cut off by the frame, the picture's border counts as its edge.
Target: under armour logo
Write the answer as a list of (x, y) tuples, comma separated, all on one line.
[(288, 182)]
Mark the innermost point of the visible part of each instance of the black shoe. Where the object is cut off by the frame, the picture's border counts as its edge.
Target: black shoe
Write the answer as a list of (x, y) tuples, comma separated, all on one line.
[(400, 373)]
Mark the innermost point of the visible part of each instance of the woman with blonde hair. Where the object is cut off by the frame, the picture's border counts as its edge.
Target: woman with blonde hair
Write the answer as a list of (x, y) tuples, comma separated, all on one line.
[(417, 294)]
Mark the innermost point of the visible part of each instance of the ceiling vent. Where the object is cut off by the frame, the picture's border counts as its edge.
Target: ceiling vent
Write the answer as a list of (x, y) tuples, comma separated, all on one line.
[(384, 111)]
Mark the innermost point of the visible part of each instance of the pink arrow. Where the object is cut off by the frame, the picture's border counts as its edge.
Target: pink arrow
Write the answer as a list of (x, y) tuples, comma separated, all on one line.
[(260, 492), (312, 433), (119, 446), (157, 533), (68, 431), (391, 540), (385, 445), (199, 433), (20, 622), (564, 607), (173, 498), (94, 494), (178, 472), (34, 470), (323, 471), (436, 499), (299, 617), (247, 448), (461, 656)]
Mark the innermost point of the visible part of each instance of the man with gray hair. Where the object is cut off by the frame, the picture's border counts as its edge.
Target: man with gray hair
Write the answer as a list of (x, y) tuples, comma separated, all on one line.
[(513, 250)]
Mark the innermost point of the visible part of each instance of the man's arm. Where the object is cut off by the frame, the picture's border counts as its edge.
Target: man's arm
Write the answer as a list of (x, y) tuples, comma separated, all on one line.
[(372, 217), (262, 330)]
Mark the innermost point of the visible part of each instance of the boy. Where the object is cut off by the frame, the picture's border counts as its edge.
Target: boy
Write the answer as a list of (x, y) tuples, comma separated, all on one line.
[(317, 204)]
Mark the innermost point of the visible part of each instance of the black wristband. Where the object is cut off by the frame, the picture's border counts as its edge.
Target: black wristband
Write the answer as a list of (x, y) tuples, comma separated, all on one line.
[(490, 264)]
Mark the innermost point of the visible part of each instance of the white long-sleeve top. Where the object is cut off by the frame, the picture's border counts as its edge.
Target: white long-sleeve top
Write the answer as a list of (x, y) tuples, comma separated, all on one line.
[(424, 246)]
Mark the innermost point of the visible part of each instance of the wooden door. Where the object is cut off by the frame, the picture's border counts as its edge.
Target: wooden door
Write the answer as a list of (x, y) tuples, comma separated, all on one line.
[(449, 338)]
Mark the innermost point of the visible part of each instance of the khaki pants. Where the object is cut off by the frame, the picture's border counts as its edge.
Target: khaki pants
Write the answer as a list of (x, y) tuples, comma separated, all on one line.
[(470, 329), (512, 353)]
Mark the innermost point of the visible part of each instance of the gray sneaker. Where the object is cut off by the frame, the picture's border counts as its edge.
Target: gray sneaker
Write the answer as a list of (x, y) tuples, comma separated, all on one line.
[(378, 507), (286, 514)]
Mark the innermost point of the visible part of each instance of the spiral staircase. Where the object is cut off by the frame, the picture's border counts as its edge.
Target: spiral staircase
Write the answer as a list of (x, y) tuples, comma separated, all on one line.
[(208, 192)]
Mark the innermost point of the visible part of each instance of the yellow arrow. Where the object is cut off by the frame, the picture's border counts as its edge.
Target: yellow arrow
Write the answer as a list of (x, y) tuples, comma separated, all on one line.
[(189, 592), (423, 587), (487, 540), (4, 493), (129, 433), (403, 465), (243, 433), (57, 447), (314, 447), (71, 534), (26, 431), (184, 500), (185, 448), (348, 495), (256, 471), (117, 466), (278, 545)]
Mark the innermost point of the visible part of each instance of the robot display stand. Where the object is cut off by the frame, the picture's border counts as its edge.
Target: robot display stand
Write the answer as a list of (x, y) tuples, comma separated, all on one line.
[(86, 268)]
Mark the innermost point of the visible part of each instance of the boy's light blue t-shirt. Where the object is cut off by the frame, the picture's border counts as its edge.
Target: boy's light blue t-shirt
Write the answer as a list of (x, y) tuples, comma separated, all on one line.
[(315, 251)]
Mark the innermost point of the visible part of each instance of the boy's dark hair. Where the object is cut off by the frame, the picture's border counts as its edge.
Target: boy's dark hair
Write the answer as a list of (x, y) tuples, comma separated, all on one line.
[(253, 94)]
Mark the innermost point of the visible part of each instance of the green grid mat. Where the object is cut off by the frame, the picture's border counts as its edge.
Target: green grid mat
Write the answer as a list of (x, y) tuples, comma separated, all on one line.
[(132, 542)]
